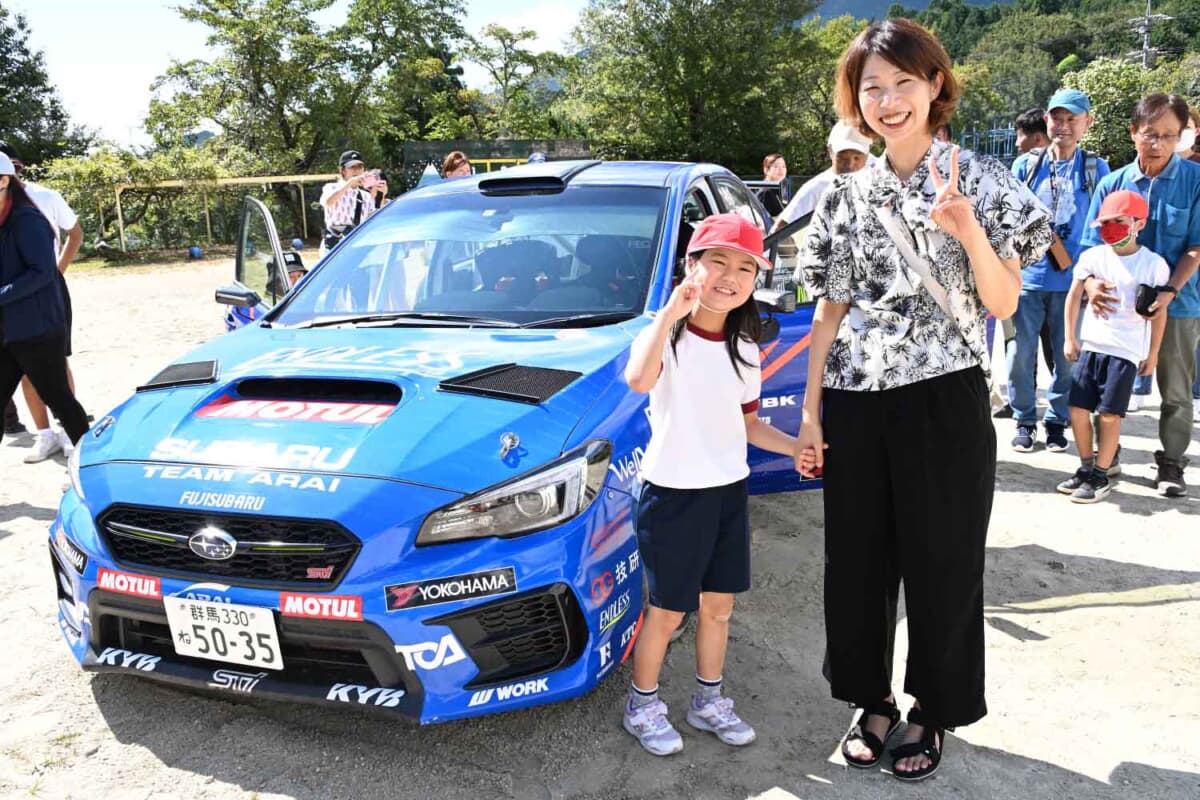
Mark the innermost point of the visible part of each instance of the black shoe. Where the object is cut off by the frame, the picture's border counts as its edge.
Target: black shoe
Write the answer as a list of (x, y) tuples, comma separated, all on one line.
[(1169, 480), (1093, 489), (859, 732), (931, 744), (1056, 439), (1004, 412), (1025, 439), (1075, 481), (14, 427)]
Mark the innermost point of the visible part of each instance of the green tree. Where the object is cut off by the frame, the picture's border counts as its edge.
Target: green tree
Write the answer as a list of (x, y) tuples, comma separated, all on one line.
[(516, 75), (1114, 87), (32, 118), (980, 105), (673, 79)]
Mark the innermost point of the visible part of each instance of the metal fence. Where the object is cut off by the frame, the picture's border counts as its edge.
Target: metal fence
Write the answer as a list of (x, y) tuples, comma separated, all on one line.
[(999, 143)]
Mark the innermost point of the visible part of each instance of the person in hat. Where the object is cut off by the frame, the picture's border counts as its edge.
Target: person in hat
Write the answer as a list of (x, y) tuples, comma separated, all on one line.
[(68, 235), (1109, 352), (699, 361), (849, 151), (351, 200), (33, 328), (1171, 186), (1064, 177)]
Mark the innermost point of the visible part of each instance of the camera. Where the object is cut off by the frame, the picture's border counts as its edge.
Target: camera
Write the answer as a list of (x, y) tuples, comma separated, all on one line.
[(372, 178)]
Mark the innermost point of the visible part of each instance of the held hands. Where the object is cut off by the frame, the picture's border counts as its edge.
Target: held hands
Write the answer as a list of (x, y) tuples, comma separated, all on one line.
[(1071, 349), (952, 211), (1146, 368), (683, 299), (809, 452)]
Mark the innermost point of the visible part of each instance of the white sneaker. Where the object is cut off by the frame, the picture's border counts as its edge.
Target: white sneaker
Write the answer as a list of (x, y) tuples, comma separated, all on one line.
[(649, 724), (1196, 410), (43, 448), (64, 443), (717, 715), (1135, 402)]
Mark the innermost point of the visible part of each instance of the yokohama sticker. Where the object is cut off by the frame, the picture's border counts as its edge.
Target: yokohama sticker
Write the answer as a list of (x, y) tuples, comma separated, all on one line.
[(125, 583), (357, 413), (320, 606), (447, 590), (67, 549)]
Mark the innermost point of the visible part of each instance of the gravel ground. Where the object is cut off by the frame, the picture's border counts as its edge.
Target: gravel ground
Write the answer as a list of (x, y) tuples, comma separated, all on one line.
[(1093, 648)]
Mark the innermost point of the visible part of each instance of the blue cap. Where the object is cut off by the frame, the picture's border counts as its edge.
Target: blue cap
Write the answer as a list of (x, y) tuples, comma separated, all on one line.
[(1072, 100)]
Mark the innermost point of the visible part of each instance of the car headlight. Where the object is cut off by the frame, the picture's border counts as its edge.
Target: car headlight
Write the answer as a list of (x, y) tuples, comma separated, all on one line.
[(548, 496), (73, 469)]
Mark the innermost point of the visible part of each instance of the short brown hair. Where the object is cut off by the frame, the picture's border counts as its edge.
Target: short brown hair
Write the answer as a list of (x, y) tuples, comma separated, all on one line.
[(770, 160), (1152, 106), (454, 159), (1194, 114), (908, 46)]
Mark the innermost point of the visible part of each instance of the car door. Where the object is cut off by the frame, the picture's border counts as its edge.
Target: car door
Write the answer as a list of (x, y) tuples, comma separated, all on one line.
[(784, 358), (258, 264)]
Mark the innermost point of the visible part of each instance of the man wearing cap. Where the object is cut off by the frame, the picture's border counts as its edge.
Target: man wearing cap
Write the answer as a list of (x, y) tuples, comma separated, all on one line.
[(1171, 186), (62, 219), (849, 150), (351, 200), (1064, 177)]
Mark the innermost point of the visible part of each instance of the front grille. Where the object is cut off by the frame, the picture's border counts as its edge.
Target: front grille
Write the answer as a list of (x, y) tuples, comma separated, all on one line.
[(520, 636), (314, 651), (271, 551)]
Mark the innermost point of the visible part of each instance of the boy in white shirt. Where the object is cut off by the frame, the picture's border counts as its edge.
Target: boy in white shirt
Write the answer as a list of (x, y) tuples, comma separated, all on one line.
[(1115, 349)]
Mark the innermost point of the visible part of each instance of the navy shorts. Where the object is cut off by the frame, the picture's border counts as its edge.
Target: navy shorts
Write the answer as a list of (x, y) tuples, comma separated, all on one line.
[(1100, 382), (693, 541)]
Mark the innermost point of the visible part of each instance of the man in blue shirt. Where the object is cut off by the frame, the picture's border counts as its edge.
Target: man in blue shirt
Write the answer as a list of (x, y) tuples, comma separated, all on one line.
[(1063, 177), (1171, 186)]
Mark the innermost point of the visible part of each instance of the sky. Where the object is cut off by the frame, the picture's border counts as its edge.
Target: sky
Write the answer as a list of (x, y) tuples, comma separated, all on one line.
[(102, 63)]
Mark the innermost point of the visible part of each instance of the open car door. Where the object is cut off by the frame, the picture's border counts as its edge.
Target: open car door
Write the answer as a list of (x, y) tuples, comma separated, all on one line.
[(260, 272)]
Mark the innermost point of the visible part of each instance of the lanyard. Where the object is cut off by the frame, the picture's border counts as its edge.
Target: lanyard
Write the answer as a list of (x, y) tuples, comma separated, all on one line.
[(1068, 178)]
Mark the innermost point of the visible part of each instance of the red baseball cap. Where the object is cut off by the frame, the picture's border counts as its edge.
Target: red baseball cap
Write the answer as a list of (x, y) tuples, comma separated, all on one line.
[(1122, 203), (732, 231)]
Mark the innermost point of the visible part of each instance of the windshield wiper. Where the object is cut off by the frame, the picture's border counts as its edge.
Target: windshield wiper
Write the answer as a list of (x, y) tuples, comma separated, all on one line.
[(394, 317), (583, 320)]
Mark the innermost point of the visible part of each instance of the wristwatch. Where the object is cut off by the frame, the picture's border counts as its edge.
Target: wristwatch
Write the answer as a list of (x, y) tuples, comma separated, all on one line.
[(1169, 288)]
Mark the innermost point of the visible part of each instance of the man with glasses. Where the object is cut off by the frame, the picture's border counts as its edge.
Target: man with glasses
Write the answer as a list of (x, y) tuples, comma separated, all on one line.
[(1171, 186), (1064, 177)]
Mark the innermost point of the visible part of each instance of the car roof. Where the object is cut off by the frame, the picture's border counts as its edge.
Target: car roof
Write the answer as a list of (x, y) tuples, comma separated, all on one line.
[(581, 173)]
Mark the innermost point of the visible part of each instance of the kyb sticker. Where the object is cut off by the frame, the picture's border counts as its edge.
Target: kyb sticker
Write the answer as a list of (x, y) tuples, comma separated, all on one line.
[(234, 681), (125, 583), (115, 657), (510, 692), (432, 655), (365, 695), (320, 606), (236, 502), (249, 477), (268, 455), (357, 413), (446, 590)]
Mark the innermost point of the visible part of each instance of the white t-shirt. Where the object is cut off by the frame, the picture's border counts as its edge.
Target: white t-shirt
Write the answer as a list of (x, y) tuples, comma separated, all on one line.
[(54, 208), (697, 427), (806, 197), (1125, 334)]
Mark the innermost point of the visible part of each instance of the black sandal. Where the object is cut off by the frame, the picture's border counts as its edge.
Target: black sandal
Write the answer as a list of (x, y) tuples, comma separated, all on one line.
[(881, 709), (930, 745)]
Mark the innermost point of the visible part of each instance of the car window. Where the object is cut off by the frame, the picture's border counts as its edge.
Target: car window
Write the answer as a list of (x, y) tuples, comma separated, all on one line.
[(737, 199), (519, 258)]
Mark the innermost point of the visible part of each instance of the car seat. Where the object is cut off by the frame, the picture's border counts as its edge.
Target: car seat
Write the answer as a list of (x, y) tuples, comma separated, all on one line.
[(515, 269)]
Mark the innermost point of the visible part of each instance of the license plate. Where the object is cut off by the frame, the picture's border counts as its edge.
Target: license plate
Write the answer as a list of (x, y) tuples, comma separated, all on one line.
[(224, 632)]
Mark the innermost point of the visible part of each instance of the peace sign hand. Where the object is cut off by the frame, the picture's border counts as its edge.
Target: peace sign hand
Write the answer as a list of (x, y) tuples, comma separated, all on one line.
[(952, 211)]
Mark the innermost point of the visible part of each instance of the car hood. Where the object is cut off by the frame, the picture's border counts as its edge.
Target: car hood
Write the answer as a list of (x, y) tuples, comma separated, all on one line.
[(438, 438)]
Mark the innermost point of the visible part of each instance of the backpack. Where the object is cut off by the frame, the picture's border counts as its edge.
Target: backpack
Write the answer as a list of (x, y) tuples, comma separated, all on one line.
[(1090, 168)]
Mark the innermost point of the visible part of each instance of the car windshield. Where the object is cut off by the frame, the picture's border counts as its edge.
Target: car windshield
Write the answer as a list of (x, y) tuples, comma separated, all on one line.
[(468, 258)]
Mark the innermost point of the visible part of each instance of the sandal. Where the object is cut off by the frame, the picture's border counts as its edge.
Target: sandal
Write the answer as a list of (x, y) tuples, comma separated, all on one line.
[(929, 745), (881, 709)]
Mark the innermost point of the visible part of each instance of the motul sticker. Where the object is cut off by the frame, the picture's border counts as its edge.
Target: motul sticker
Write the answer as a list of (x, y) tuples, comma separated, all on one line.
[(320, 606), (358, 413), (125, 583)]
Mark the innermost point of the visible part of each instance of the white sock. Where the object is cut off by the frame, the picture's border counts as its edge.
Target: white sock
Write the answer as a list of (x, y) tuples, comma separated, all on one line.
[(45, 433)]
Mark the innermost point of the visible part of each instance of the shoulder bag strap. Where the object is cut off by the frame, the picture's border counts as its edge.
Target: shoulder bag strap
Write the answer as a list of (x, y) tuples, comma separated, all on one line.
[(915, 262)]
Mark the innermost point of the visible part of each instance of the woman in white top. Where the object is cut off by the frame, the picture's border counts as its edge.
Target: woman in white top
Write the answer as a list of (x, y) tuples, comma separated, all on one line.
[(897, 392)]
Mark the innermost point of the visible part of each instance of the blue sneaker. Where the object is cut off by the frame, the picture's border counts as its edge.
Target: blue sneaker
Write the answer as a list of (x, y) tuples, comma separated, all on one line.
[(1056, 439), (1025, 439)]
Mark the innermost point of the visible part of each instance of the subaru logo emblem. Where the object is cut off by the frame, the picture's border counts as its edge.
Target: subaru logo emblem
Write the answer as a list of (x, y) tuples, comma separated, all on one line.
[(213, 544)]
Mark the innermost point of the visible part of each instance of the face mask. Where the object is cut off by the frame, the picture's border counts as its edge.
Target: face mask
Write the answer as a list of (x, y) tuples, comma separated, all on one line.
[(1117, 234), (1186, 140)]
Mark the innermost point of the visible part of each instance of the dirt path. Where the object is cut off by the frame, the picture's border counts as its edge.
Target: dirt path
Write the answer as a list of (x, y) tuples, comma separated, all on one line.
[(1093, 648)]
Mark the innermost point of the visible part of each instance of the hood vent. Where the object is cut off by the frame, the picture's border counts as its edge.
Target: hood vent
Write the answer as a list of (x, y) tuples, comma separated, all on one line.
[(531, 385), (319, 389), (191, 373)]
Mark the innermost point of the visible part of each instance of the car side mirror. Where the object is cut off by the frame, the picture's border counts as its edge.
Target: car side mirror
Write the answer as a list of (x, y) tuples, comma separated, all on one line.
[(781, 301), (237, 296), (770, 330)]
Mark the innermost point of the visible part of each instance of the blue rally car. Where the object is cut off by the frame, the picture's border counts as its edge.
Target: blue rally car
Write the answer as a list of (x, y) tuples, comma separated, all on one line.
[(407, 482)]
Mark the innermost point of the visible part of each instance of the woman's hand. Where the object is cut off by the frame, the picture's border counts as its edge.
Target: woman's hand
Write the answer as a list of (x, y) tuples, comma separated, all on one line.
[(952, 211), (809, 452)]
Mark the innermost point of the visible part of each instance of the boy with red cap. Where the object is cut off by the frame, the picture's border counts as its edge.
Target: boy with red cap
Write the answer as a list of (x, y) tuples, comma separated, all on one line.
[(1109, 353), (699, 361)]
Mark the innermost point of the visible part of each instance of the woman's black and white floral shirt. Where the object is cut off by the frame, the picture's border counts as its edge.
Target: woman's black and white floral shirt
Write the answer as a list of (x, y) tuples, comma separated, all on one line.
[(895, 333)]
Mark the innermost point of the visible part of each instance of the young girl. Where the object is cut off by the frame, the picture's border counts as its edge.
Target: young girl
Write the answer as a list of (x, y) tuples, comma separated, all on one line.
[(699, 362)]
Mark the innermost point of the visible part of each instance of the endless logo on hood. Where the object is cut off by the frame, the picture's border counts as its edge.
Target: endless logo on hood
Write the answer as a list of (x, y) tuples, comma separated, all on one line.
[(446, 590), (358, 413)]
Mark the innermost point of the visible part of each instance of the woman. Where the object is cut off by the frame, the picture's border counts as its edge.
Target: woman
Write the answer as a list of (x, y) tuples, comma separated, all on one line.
[(774, 170), (456, 165), (33, 324), (898, 394)]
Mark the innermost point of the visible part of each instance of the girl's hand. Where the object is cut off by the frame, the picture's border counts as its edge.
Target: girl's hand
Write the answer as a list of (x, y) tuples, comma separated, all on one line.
[(1147, 367), (952, 211), (1071, 349), (683, 299), (809, 452)]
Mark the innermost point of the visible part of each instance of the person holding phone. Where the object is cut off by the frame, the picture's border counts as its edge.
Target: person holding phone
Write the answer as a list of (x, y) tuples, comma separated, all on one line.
[(349, 201)]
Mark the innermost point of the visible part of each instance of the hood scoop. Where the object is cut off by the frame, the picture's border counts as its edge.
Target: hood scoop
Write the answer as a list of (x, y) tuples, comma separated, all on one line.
[(313, 399), (531, 385), (329, 390)]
